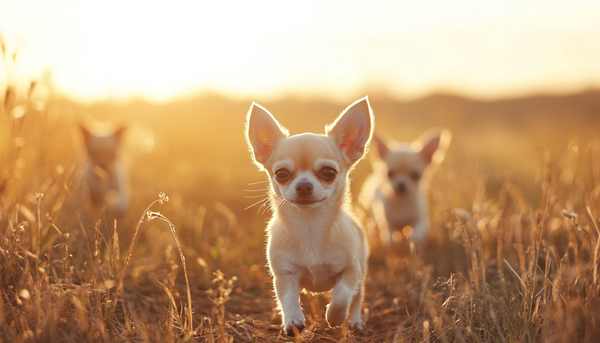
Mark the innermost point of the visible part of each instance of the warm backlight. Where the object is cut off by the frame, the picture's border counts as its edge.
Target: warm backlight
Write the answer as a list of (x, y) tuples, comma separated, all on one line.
[(162, 49)]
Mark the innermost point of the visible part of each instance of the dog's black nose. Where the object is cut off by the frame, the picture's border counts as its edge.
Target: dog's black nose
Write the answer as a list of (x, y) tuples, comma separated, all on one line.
[(400, 188), (304, 189)]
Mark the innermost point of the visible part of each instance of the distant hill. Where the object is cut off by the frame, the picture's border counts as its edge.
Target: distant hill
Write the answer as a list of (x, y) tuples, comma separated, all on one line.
[(206, 132)]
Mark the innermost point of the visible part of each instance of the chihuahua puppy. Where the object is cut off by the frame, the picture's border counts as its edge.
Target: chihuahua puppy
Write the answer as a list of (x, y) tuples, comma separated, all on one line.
[(395, 195), (105, 176), (313, 241)]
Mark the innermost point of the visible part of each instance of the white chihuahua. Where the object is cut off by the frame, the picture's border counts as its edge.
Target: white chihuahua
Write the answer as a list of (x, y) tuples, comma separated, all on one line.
[(313, 242), (395, 195), (105, 176)]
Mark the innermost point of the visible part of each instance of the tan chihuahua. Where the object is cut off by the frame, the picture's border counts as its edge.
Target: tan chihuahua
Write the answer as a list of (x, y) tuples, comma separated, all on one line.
[(105, 175), (395, 195), (313, 241)]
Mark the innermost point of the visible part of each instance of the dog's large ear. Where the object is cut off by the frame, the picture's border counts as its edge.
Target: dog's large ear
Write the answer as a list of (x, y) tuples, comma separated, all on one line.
[(434, 144), (262, 133), (382, 148), (352, 130)]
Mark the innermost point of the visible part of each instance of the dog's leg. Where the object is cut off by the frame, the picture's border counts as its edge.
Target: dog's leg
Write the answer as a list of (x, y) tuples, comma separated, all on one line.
[(421, 227), (287, 289), (420, 231), (341, 297), (356, 308)]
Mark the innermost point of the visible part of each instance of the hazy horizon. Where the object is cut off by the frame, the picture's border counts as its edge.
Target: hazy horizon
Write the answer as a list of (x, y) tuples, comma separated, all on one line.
[(162, 51)]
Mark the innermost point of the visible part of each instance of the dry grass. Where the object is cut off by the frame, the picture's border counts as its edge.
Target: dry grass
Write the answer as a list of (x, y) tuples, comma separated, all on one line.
[(511, 263)]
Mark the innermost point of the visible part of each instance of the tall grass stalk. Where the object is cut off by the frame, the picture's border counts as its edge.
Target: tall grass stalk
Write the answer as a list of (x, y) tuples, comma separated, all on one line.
[(156, 215)]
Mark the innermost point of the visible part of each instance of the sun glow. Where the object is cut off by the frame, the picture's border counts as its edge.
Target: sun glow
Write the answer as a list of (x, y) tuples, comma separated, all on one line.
[(160, 50)]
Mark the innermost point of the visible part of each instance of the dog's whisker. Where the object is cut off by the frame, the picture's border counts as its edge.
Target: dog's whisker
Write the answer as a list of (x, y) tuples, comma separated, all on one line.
[(256, 190), (256, 203), (267, 205), (253, 196), (257, 182), (263, 201), (279, 201)]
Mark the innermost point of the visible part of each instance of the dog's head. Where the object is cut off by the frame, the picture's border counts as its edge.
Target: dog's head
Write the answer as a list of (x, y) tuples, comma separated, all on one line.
[(309, 169), (407, 163), (102, 148)]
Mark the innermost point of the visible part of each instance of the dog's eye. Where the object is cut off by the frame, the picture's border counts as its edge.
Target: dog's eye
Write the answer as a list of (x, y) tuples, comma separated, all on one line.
[(328, 173), (281, 175), (416, 176)]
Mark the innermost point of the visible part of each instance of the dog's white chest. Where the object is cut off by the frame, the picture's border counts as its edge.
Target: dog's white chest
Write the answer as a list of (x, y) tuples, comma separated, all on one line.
[(321, 278), (402, 211), (318, 274), (315, 263)]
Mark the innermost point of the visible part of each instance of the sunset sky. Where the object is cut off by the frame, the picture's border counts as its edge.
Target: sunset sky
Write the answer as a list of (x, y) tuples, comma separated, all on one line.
[(264, 49)]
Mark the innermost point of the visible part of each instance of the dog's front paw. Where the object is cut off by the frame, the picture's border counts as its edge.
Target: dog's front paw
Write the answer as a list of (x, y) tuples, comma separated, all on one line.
[(356, 326), (356, 320), (294, 326), (336, 314), (294, 329)]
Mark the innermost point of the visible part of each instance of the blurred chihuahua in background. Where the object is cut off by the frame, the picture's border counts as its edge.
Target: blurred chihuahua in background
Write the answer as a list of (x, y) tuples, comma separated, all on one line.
[(394, 196), (313, 242), (105, 175)]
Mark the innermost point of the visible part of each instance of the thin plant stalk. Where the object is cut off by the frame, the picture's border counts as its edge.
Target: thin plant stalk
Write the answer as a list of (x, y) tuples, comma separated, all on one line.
[(161, 199), (155, 215)]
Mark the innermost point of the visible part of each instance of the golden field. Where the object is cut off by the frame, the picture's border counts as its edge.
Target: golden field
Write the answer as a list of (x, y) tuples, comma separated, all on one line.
[(523, 268)]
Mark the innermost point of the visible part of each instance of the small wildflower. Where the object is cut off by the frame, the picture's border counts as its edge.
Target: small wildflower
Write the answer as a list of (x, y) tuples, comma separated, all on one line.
[(152, 215), (163, 197)]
